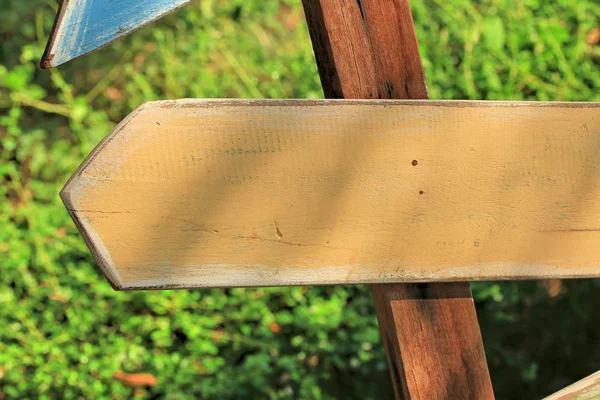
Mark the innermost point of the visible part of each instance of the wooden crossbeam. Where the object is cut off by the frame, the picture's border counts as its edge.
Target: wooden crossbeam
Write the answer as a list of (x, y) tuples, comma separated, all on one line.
[(205, 193)]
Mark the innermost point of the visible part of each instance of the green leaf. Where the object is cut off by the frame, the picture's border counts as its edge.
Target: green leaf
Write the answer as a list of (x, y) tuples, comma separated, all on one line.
[(494, 33)]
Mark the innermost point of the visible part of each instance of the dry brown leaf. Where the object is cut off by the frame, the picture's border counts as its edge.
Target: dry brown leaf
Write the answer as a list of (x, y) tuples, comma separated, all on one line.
[(553, 287), (274, 327), (593, 37), (57, 296), (135, 380), (113, 93), (217, 335)]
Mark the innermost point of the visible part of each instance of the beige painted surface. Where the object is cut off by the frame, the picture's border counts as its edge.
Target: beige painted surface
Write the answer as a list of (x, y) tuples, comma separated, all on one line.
[(197, 193)]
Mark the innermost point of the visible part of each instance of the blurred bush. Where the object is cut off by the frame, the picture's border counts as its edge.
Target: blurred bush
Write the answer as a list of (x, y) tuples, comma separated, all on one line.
[(64, 332)]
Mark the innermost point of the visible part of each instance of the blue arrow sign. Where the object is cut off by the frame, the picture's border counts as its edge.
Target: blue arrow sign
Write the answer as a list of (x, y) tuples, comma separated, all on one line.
[(83, 26)]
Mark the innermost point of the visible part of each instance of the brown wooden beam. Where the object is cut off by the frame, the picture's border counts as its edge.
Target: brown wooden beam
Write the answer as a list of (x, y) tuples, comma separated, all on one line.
[(367, 49)]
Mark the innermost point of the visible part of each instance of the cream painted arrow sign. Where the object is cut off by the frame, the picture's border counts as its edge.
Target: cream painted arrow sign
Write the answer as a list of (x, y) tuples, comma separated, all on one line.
[(218, 193)]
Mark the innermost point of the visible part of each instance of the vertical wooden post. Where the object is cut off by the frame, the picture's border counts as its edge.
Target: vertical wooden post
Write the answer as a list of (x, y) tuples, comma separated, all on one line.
[(367, 49)]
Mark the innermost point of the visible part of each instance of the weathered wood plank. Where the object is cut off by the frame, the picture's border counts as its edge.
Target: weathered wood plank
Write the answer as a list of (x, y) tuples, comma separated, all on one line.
[(368, 49), (196, 193), (83, 26), (433, 335), (585, 389)]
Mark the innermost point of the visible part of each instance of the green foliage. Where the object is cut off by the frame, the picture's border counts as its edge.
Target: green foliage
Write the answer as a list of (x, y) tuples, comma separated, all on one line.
[(64, 331)]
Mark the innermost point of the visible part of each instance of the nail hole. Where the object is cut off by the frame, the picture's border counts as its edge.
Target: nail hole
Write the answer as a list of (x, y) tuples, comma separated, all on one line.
[(414, 163)]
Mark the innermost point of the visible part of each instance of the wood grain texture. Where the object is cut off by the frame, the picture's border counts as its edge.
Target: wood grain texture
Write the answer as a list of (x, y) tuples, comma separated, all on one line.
[(368, 49), (83, 26), (432, 336), (585, 389), (197, 193)]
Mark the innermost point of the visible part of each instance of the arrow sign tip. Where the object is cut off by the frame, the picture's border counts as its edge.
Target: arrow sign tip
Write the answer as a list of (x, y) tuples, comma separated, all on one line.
[(83, 26), (70, 197)]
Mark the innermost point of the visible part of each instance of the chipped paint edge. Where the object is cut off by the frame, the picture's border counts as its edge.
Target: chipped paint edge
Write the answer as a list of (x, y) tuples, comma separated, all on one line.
[(267, 276), (228, 102), (48, 56)]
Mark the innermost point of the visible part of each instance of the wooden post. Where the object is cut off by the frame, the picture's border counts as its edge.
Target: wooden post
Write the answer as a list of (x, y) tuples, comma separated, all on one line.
[(367, 49)]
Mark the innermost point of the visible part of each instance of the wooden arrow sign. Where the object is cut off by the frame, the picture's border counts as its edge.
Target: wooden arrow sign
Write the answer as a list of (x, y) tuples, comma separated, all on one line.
[(83, 26), (217, 193)]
